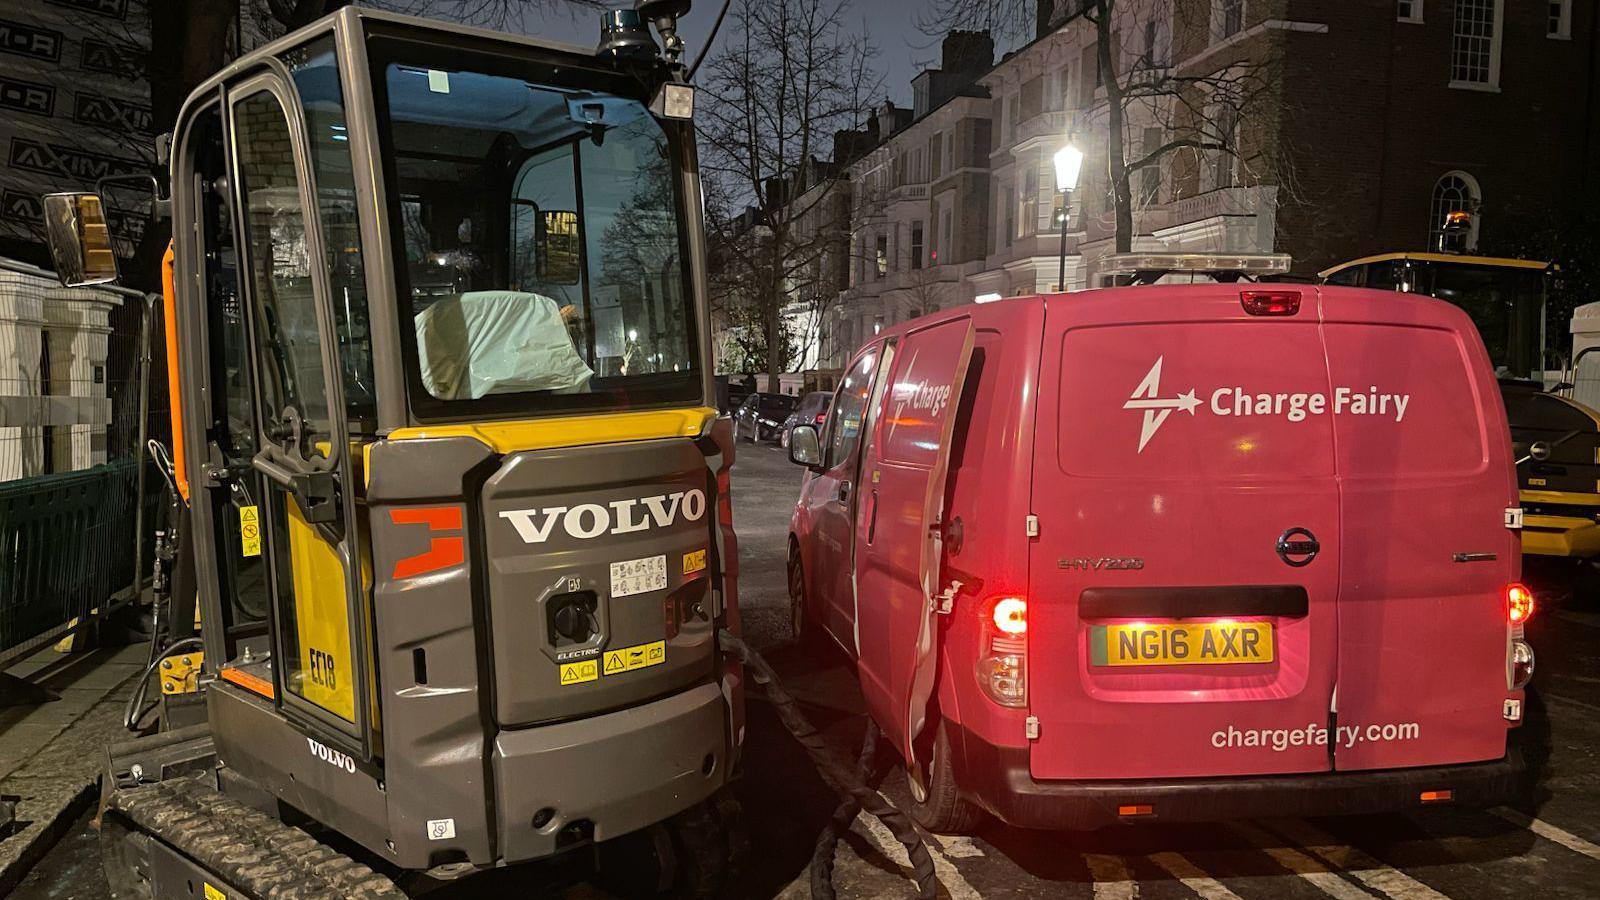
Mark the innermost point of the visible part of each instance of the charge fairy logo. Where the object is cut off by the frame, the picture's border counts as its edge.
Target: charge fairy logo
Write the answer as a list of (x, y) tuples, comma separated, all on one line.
[(1235, 400)]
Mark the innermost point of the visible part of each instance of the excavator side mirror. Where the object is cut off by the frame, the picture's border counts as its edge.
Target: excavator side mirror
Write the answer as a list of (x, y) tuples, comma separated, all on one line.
[(80, 240)]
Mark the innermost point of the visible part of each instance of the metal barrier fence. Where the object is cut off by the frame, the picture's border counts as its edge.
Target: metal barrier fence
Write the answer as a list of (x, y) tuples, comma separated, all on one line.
[(73, 365)]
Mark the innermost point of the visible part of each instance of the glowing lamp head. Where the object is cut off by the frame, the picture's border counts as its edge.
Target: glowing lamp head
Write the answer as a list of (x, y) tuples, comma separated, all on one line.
[(1011, 615), (1519, 604), (1069, 162)]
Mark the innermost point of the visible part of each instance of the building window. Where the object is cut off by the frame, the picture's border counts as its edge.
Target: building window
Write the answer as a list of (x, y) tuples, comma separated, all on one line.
[(881, 256), (1028, 203), (1475, 48), (1410, 11), (1221, 169), (1150, 176), (1456, 192), (1227, 18), (1560, 26), (916, 245), (1010, 215)]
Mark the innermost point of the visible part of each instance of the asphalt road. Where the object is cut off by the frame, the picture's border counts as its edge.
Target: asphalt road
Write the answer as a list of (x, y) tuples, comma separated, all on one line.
[(1551, 851)]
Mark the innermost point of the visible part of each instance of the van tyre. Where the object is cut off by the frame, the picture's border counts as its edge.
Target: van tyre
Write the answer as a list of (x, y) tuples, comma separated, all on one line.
[(941, 809), (802, 622)]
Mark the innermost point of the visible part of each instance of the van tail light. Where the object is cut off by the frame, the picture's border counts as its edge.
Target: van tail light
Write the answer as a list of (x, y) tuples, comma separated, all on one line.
[(1519, 604), (1003, 665), (1270, 303), (1011, 615), (1521, 664)]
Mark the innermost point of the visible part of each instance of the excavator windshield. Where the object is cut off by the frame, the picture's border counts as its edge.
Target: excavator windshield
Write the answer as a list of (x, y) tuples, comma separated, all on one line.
[(539, 241)]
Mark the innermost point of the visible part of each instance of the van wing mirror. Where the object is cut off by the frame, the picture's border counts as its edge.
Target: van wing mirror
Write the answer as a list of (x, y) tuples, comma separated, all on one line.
[(805, 448), (80, 240)]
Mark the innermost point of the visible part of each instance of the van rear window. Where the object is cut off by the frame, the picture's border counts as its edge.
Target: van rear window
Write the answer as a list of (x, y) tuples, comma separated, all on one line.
[(1219, 400), (1442, 432)]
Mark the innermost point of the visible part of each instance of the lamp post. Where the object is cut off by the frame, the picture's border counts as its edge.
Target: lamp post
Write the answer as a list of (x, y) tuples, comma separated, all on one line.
[(1069, 162)]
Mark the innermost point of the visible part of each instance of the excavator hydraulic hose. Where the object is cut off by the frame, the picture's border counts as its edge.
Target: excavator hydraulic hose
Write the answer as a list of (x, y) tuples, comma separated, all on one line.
[(855, 787)]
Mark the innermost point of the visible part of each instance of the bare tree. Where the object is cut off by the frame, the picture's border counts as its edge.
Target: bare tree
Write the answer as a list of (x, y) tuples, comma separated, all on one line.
[(1201, 114), (1211, 116), (792, 73)]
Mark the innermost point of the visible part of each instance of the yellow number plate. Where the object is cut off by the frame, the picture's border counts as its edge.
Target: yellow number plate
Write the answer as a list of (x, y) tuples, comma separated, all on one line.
[(1186, 644)]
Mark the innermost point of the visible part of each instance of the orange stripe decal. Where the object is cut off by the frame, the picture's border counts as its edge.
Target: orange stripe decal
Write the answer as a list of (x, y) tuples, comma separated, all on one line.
[(442, 552), (255, 684)]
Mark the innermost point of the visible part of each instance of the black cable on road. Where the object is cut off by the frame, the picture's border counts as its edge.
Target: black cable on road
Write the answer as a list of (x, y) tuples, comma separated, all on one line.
[(856, 787)]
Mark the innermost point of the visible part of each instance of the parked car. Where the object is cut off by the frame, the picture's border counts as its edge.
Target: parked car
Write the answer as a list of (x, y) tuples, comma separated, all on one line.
[(1175, 552), (760, 417), (813, 411), (730, 394)]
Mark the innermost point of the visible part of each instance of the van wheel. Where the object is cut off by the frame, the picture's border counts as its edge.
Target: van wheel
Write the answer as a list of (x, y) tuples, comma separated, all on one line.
[(783, 439), (938, 806), (801, 622)]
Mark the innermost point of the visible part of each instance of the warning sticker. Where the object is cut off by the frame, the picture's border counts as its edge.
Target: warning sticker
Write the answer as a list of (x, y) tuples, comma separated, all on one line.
[(249, 531), (626, 659), (579, 672), (214, 894), (638, 576), (694, 562)]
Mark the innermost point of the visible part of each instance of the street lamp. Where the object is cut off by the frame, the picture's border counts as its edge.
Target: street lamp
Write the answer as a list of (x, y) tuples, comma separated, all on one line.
[(1069, 162)]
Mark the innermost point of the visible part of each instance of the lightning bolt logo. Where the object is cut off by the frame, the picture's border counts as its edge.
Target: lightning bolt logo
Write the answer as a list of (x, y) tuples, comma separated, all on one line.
[(1156, 409)]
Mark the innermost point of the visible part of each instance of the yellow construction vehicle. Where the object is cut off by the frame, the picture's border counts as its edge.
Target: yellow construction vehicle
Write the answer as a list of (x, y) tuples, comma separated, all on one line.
[(455, 505), (1556, 439)]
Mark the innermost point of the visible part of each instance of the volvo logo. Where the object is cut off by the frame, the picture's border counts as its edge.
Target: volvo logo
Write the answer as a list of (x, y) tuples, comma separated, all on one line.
[(591, 520), (1539, 450), (1298, 547)]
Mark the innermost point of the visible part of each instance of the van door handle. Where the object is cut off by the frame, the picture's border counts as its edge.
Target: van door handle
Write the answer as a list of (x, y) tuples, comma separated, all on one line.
[(844, 491), (872, 516)]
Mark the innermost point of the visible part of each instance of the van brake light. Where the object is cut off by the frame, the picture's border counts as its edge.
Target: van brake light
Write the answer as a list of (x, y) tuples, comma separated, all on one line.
[(1519, 603), (1011, 615), (1270, 303)]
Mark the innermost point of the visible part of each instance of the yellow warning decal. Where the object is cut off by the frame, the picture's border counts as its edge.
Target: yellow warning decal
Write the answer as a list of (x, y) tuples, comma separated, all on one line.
[(211, 892), (579, 672), (249, 531), (694, 562), (626, 659)]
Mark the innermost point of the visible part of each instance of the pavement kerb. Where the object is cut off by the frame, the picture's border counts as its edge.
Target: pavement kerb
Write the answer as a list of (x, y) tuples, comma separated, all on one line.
[(57, 784)]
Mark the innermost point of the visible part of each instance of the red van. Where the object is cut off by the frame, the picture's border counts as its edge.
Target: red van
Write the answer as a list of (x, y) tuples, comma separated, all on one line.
[(1174, 552)]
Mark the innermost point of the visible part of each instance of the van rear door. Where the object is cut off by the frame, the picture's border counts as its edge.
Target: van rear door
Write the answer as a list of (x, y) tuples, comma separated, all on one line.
[(1182, 614), (1426, 555)]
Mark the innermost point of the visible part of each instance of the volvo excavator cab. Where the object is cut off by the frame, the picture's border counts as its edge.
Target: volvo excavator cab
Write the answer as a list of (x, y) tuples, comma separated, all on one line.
[(456, 509)]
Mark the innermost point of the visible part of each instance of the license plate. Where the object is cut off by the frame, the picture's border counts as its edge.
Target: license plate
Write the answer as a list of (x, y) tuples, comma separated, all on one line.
[(637, 576), (1185, 644)]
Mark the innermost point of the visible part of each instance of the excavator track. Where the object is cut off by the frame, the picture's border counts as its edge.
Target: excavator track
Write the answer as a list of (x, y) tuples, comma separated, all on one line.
[(252, 855)]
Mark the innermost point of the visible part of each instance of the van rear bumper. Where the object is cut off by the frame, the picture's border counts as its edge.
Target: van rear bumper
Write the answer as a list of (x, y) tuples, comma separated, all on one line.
[(997, 778)]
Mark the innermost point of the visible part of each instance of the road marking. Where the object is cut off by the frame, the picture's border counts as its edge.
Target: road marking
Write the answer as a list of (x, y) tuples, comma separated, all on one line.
[(1193, 877), (1357, 863), (1111, 879), (1549, 832), (958, 846), (1592, 620), (1313, 872), (954, 884), (1569, 701)]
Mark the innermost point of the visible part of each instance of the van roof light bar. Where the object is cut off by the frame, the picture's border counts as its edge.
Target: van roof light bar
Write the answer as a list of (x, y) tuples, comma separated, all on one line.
[(1147, 268)]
